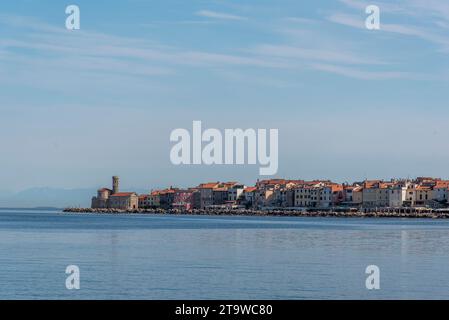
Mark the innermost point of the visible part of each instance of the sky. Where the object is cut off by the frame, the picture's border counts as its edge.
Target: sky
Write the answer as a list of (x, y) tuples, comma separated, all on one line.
[(79, 106)]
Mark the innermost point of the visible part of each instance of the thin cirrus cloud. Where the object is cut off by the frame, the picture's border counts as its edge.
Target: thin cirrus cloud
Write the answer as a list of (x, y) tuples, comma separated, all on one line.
[(426, 34), (126, 56), (335, 55), (410, 8), (361, 74), (219, 15), (434, 11), (97, 52)]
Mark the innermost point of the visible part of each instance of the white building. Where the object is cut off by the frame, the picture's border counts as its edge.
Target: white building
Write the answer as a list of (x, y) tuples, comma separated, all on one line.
[(397, 195), (235, 192)]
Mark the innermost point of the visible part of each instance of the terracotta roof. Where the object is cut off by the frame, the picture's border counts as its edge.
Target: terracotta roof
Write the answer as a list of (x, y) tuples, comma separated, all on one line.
[(305, 186), (122, 194), (184, 191), (313, 182), (165, 191), (230, 183), (442, 184), (368, 184), (295, 181), (336, 187), (273, 181), (208, 185), (250, 189)]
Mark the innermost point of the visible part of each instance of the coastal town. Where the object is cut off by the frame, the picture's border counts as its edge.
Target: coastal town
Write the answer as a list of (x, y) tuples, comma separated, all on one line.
[(423, 194)]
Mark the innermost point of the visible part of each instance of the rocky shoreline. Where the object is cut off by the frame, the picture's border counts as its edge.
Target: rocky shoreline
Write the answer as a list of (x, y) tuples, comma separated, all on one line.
[(366, 213)]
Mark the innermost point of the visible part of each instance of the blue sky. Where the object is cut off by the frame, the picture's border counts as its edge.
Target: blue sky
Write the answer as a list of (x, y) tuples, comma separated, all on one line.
[(349, 103)]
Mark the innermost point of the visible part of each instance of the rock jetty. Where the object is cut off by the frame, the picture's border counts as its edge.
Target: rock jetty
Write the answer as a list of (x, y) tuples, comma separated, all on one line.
[(345, 213)]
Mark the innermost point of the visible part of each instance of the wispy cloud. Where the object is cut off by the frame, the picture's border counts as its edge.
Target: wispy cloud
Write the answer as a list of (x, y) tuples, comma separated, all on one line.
[(349, 20), (424, 33), (361, 74), (427, 19), (316, 54), (46, 47), (87, 51), (219, 15), (411, 8)]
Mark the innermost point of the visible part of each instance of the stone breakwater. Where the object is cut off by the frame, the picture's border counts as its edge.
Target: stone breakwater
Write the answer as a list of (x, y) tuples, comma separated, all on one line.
[(367, 213)]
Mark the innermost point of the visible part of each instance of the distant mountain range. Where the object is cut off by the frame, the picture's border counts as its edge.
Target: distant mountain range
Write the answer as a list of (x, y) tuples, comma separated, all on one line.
[(50, 197)]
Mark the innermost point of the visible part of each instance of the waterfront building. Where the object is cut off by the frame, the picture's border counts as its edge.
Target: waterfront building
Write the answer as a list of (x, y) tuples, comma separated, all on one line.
[(101, 201), (270, 184), (383, 193), (220, 195), (369, 194), (235, 192), (357, 196), (166, 197), (113, 199), (312, 194), (302, 196), (410, 198), (290, 197), (283, 198), (352, 195), (423, 195), (124, 201), (397, 195), (196, 198), (154, 199), (332, 194), (249, 196), (279, 198), (427, 181), (144, 202), (440, 191), (264, 198), (183, 199), (348, 197), (206, 193)]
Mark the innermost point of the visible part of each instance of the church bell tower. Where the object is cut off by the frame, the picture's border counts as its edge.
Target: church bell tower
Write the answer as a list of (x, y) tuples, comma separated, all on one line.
[(115, 182)]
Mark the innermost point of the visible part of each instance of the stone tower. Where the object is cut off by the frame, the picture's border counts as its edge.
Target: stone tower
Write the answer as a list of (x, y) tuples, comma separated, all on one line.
[(115, 182)]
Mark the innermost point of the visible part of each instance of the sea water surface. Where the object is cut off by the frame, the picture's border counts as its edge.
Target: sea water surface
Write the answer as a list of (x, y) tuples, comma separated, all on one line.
[(218, 257)]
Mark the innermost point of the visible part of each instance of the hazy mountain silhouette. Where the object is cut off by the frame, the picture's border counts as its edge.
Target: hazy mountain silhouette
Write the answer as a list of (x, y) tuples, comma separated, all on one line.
[(51, 197), (48, 197)]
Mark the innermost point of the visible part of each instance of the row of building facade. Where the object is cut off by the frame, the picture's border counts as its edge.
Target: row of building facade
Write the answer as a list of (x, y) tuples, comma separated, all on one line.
[(282, 193)]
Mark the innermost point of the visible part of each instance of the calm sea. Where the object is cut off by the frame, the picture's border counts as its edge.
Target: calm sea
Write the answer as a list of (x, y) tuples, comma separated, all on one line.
[(205, 257)]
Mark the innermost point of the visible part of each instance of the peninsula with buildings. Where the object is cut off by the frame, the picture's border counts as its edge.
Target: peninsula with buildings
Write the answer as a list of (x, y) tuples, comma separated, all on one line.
[(420, 197)]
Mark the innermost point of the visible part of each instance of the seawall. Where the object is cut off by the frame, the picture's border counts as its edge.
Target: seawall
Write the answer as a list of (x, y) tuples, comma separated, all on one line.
[(366, 213)]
